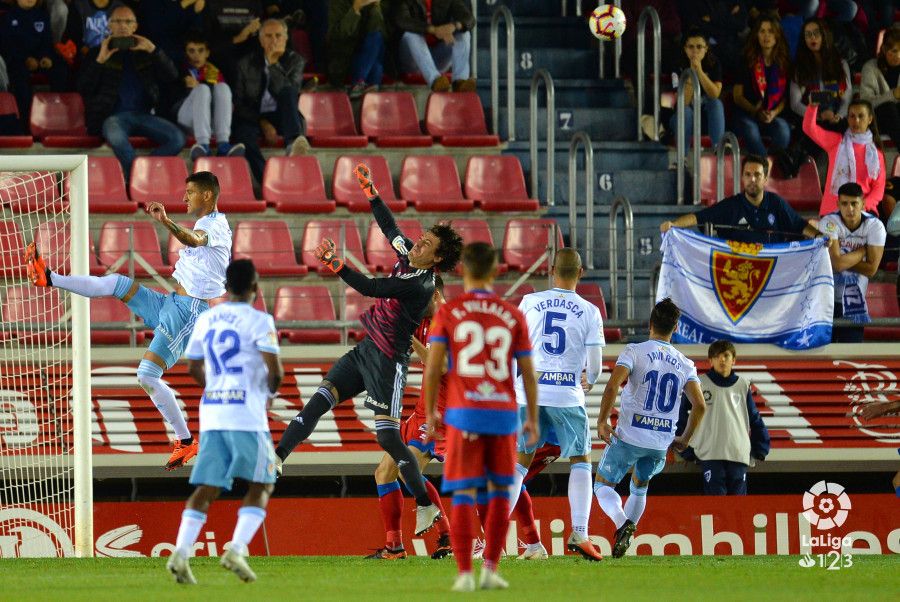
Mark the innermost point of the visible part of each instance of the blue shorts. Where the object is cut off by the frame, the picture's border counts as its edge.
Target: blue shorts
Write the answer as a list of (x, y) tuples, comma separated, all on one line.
[(566, 427), (228, 455), (171, 317), (619, 456)]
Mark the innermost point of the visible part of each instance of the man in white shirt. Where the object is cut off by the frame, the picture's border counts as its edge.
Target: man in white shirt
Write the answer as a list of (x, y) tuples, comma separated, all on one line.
[(566, 333), (200, 276), (233, 354)]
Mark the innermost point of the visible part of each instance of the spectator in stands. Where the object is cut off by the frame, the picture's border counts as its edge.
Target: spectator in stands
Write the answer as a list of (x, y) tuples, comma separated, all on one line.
[(26, 44), (434, 36), (761, 91), (723, 24), (698, 57), (356, 40), (732, 434), (204, 106), (167, 23), (88, 23), (755, 215), (854, 259), (853, 156), (121, 82), (232, 26), (880, 84), (266, 94), (891, 196)]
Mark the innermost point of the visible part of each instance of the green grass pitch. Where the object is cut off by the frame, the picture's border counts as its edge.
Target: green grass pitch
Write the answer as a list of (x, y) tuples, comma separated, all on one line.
[(771, 578)]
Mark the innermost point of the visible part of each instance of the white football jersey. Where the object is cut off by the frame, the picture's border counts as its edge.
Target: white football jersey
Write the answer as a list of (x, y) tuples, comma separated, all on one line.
[(229, 338), (561, 325), (648, 409), (870, 232), (201, 270)]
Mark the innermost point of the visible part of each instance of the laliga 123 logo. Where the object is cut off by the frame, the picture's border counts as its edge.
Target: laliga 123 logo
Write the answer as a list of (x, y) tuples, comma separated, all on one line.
[(826, 505)]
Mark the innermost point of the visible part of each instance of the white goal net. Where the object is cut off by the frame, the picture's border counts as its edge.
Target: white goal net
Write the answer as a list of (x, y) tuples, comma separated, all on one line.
[(45, 453)]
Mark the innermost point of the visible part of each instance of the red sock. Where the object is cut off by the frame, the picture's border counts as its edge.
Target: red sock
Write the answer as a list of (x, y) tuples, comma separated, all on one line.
[(390, 498), (481, 504), (443, 524), (525, 517), (497, 525), (461, 533)]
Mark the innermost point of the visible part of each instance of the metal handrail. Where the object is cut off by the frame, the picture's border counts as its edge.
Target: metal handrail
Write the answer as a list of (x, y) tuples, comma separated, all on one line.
[(729, 140), (628, 214), (648, 13), (473, 51), (503, 13), (681, 159), (581, 139), (542, 75), (617, 52)]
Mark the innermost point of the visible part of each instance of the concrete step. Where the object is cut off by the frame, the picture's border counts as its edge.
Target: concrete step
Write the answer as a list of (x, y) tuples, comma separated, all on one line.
[(588, 92), (608, 155), (536, 32), (560, 62), (524, 8), (608, 125)]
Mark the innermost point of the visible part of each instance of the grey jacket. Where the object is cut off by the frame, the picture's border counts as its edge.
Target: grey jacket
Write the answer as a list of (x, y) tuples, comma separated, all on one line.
[(874, 86), (250, 82)]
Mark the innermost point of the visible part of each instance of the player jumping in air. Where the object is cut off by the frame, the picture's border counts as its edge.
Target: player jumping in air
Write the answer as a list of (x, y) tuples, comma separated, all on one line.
[(200, 276), (233, 354), (567, 337), (657, 374), (480, 334), (390, 497), (378, 364)]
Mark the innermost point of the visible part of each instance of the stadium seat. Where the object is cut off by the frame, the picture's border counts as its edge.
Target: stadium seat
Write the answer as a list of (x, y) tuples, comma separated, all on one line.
[(269, 245), (235, 184), (356, 305), (316, 230), (708, 179), (431, 183), (53, 243), (294, 185), (329, 120), (379, 252), (159, 179), (390, 119), (115, 243), (259, 303), (592, 292), (106, 187), (881, 298), (803, 193), (496, 183), (345, 188), (27, 303), (12, 247), (452, 290), (502, 288), (525, 240), (475, 230), (301, 303), (457, 119), (30, 192), (110, 309), (57, 120), (8, 106)]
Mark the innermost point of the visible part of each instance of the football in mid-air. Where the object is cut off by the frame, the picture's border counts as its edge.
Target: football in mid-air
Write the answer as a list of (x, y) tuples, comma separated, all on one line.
[(607, 22)]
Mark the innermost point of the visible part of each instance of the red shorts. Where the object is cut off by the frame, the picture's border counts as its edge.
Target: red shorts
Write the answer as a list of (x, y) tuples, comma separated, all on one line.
[(413, 432), (474, 459)]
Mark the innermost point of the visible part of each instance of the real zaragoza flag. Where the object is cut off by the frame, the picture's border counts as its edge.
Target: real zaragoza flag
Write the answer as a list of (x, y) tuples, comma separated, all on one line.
[(748, 293)]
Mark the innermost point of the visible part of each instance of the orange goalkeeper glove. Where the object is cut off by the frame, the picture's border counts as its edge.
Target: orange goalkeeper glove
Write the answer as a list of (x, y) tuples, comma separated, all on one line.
[(325, 253), (365, 181)]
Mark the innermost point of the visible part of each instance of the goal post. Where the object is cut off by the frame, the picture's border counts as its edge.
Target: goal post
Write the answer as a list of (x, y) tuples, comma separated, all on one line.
[(42, 191)]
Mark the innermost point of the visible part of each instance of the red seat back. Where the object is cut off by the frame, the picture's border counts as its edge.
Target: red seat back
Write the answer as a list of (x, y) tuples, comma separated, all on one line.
[(379, 251), (300, 303), (344, 185), (493, 177), (803, 193), (293, 179), (708, 179), (8, 104), (32, 191), (316, 230), (259, 303), (235, 183), (389, 114), (267, 243), (473, 230), (57, 114), (525, 240), (881, 298), (27, 303), (106, 182), (159, 179), (429, 178), (456, 113), (327, 114), (12, 245), (114, 242), (502, 288), (53, 242)]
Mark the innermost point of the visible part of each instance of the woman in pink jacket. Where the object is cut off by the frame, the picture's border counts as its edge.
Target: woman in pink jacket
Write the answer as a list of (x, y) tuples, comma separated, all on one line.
[(854, 156)]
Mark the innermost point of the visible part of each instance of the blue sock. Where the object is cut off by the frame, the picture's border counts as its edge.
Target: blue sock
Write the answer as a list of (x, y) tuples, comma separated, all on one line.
[(897, 491)]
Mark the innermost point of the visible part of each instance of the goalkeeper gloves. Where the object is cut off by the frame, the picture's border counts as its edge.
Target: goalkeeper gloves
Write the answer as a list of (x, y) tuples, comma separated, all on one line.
[(325, 253), (365, 181)]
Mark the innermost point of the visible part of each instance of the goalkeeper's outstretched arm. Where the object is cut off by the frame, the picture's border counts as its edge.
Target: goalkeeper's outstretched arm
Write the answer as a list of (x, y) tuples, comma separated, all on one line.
[(380, 210)]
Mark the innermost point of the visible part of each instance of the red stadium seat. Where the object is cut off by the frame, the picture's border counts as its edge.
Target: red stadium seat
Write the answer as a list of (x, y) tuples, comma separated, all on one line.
[(708, 179), (294, 185), (881, 298), (57, 119), (592, 292), (235, 184), (497, 183), (345, 188), (431, 183), (32, 191), (115, 243), (259, 303), (453, 290), (302, 303), (390, 119), (379, 252), (356, 305), (53, 242), (27, 303), (457, 119), (159, 179), (269, 245), (316, 230), (502, 290), (329, 120), (106, 187), (525, 240), (12, 247), (8, 106), (110, 309), (803, 193), (475, 230)]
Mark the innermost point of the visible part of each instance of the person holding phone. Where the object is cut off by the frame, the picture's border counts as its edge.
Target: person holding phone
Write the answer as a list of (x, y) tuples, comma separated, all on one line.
[(121, 82)]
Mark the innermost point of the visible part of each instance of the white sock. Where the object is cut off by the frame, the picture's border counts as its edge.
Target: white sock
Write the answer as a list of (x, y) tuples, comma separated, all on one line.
[(191, 523), (92, 286), (149, 376), (533, 547), (516, 488), (636, 502), (249, 520), (580, 496), (611, 503)]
